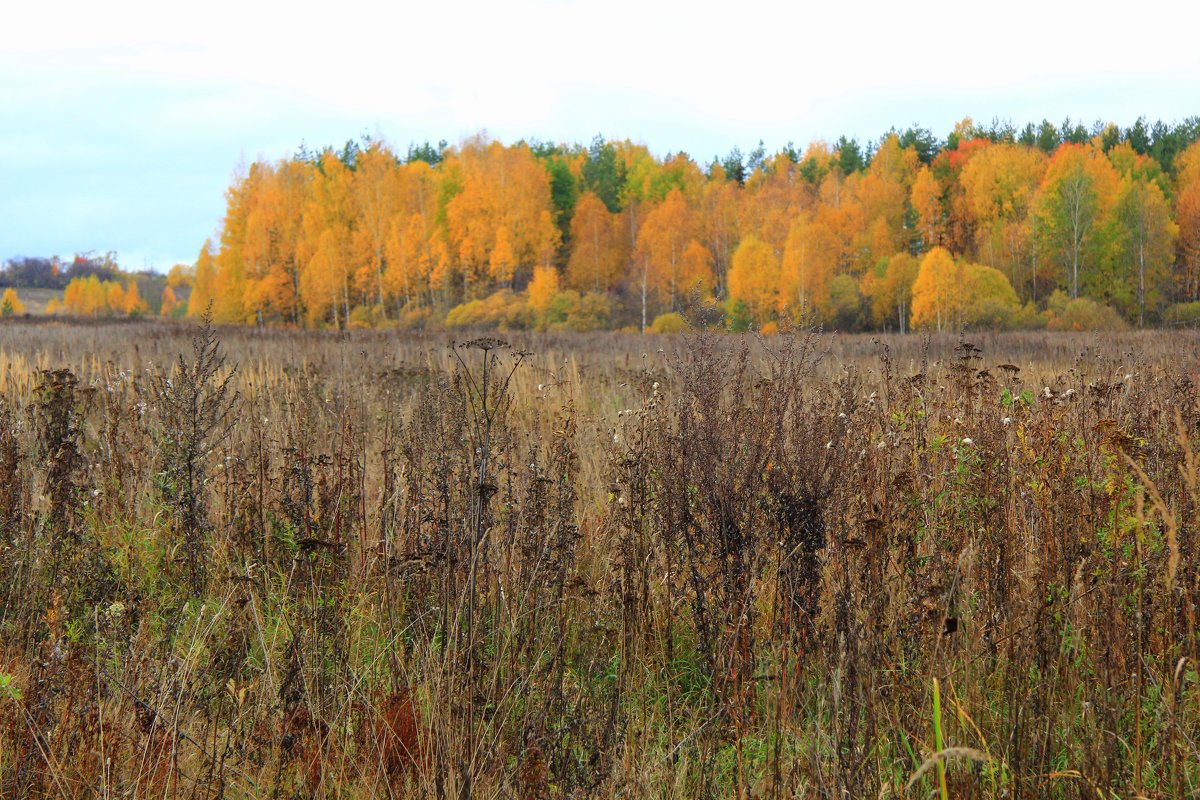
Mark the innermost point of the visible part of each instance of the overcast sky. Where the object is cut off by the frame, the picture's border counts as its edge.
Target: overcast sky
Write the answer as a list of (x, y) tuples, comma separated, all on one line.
[(121, 123)]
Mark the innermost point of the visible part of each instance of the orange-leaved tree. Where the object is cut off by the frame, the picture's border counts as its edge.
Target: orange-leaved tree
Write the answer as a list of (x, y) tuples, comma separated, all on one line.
[(938, 300), (754, 278), (543, 288), (661, 242), (132, 303), (170, 306), (204, 284), (1187, 217), (503, 188), (890, 289), (949, 295), (999, 185), (375, 188), (809, 264), (598, 246), (324, 249), (926, 198), (10, 304)]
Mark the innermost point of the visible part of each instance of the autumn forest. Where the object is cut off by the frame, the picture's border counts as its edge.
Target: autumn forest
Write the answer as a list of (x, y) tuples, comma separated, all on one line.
[(1060, 227)]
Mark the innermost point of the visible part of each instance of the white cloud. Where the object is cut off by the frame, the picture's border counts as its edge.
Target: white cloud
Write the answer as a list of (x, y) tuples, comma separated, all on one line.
[(143, 93)]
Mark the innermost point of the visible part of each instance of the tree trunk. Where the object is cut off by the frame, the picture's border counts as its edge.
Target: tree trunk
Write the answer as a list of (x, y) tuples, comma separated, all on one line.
[(644, 278), (1141, 284)]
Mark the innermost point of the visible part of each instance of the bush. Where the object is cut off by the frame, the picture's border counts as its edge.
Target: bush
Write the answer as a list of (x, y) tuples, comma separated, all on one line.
[(571, 311), (10, 304), (361, 318), (470, 314), (1028, 318), (562, 306), (994, 314), (845, 304), (502, 310), (1056, 304), (414, 318), (592, 312), (669, 323), (1182, 314), (1082, 314), (738, 317)]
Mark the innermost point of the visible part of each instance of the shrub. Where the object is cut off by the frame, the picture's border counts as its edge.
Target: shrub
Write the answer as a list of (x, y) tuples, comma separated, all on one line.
[(500, 310), (560, 307), (567, 310), (414, 317), (593, 312), (1082, 314), (10, 304), (1056, 304), (467, 315), (361, 318), (1029, 318), (994, 313), (738, 317), (669, 323), (1182, 314), (994, 303), (845, 303)]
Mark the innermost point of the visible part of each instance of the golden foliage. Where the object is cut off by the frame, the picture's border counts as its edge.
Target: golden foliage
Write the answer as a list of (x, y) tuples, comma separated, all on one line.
[(10, 304), (754, 277), (308, 240)]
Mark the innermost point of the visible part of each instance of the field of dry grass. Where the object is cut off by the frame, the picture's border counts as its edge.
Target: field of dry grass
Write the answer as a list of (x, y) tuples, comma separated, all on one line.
[(246, 563)]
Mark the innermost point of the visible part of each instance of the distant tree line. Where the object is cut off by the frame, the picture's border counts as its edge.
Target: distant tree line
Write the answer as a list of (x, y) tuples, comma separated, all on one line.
[(38, 272), (91, 285), (999, 226), (1065, 225)]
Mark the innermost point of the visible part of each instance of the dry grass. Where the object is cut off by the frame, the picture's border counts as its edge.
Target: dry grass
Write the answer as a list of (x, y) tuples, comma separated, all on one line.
[(612, 566)]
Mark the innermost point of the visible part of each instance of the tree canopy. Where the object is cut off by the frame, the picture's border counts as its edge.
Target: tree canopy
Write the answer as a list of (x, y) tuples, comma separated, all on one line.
[(908, 229)]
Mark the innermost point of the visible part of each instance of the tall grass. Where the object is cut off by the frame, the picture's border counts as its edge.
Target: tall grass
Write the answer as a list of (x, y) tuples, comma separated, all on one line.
[(604, 566)]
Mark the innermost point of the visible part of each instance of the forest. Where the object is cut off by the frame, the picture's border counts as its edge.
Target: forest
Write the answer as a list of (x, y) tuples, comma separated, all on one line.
[(1047, 227), (1058, 226)]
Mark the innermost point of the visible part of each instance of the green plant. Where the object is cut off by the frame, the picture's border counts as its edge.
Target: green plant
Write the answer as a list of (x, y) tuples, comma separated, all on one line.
[(8, 688), (194, 402)]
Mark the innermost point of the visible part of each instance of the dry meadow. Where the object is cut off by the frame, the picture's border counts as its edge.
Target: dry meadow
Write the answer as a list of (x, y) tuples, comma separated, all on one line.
[(245, 563)]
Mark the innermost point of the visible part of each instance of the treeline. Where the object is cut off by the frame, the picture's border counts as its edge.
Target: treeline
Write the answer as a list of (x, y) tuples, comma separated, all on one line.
[(1060, 226), (90, 285), (37, 272), (91, 297)]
